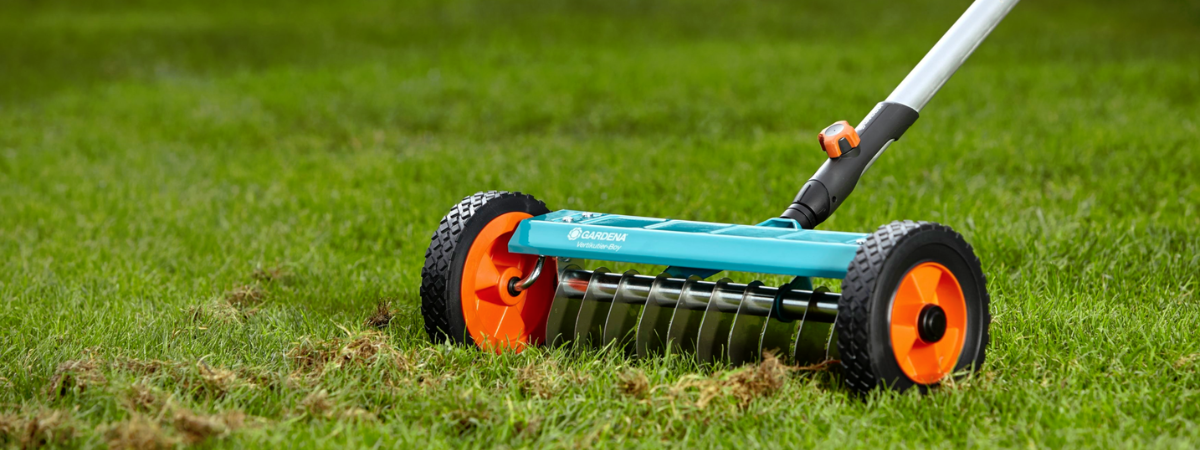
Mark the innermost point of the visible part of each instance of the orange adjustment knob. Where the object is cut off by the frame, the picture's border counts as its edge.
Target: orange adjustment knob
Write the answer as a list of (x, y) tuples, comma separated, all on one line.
[(838, 138)]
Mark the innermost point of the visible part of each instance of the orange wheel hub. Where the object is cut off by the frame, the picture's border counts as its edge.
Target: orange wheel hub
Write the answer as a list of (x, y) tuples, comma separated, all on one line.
[(495, 318), (928, 322)]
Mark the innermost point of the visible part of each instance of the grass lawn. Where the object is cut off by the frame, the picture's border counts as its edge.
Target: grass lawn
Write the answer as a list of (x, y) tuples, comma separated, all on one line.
[(202, 203)]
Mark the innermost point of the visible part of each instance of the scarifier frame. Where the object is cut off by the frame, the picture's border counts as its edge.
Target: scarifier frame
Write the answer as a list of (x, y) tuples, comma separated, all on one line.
[(777, 246), (914, 307)]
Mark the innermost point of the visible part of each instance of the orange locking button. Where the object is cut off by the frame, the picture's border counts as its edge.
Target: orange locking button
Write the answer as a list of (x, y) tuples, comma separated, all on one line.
[(838, 138)]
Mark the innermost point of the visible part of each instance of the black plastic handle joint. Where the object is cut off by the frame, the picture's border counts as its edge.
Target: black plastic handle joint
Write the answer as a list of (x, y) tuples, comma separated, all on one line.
[(836, 179)]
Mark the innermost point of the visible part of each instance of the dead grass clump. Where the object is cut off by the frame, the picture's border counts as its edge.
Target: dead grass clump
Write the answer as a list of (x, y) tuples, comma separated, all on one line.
[(272, 275), (49, 428), (742, 385), (75, 376), (633, 383), (142, 398), (139, 432), (316, 403), (204, 378), (546, 380), (528, 427), (262, 379), (535, 382), (760, 380), (245, 297), (201, 375), (197, 428), (9, 424), (425, 368), (216, 310), (1186, 360), (819, 367), (141, 367), (231, 307), (235, 419), (356, 414), (466, 420), (434, 381), (316, 357), (217, 380), (382, 316), (144, 403)]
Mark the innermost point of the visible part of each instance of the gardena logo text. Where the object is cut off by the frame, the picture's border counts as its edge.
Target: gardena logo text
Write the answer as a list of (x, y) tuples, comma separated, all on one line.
[(577, 233)]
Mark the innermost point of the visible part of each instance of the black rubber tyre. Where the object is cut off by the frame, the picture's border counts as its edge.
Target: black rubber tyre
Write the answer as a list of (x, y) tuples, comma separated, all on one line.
[(864, 312), (441, 303)]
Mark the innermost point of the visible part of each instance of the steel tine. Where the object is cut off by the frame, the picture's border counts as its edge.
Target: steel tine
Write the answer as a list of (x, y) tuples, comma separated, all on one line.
[(813, 338), (560, 321), (689, 311), (776, 338), (656, 316), (593, 309), (811, 343), (747, 327), (564, 263), (777, 335), (621, 325), (717, 322)]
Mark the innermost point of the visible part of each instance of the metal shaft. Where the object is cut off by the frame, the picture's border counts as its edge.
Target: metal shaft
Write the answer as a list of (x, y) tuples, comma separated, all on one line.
[(524, 283), (950, 52)]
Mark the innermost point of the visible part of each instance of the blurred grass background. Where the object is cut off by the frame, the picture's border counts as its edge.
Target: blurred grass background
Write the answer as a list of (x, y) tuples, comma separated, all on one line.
[(157, 156)]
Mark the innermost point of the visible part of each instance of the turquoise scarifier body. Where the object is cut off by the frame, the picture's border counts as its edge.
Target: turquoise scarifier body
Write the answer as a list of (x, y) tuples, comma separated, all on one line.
[(777, 246)]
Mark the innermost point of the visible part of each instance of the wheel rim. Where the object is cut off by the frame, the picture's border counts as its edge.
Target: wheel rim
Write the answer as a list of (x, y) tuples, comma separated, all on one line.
[(496, 319), (928, 284)]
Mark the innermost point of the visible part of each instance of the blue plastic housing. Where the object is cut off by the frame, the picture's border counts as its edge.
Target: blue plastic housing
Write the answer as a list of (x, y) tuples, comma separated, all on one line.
[(777, 246)]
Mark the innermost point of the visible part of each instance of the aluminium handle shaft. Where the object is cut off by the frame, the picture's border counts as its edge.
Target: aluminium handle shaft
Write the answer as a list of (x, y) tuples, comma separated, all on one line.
[(950, 52)]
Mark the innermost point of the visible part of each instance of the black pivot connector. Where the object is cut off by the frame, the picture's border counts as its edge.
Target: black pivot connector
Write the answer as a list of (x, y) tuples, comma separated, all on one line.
[(834, 181)]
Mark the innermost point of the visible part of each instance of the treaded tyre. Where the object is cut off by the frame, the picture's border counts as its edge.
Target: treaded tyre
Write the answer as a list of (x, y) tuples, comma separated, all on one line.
[(466, 294), (914, 309)]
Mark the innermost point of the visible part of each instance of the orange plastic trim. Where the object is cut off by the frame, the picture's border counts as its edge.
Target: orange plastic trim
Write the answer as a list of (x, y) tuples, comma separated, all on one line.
[(829, 137), (928, 283), (496, 319)]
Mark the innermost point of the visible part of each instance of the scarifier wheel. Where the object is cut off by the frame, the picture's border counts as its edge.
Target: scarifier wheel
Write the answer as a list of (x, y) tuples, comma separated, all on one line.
[(465, 284), (914, 308)]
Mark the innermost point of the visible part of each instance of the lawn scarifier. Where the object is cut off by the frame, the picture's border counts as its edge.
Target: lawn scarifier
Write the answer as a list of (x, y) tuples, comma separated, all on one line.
[(504, 272)]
